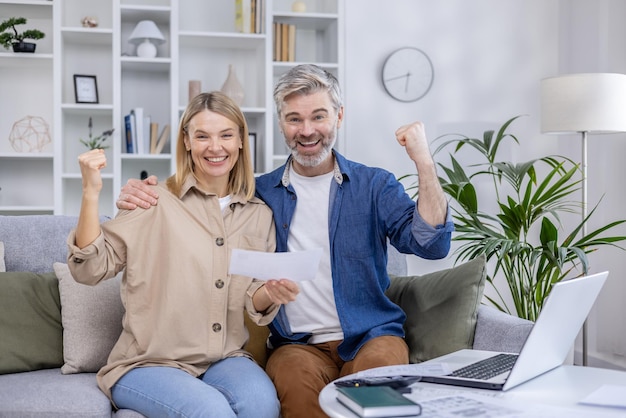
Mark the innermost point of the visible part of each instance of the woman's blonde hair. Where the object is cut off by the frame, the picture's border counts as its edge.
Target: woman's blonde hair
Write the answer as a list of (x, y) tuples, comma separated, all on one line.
[(241, 179)]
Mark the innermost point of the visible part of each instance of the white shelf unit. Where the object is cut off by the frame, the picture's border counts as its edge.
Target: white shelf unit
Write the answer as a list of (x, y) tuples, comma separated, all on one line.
[(26, 173), (83, 51), (201, 43), (319, 40), (145, 83)]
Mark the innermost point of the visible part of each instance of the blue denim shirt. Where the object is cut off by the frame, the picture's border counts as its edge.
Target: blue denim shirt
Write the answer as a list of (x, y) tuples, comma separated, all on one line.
[(367, 207)]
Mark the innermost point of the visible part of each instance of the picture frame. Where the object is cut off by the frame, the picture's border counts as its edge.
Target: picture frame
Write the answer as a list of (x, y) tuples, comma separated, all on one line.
[(85, 88), (252, 145)]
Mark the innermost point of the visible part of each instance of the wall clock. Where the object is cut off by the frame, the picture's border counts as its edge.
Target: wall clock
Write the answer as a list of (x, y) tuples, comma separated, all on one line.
[(407, 74)]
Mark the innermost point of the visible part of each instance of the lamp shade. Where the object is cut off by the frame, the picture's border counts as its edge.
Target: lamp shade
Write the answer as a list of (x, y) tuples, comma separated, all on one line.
[(146, 29), (589, 102)]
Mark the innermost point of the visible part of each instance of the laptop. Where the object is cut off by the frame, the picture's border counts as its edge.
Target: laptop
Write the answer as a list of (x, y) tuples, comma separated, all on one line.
[(547, 346)]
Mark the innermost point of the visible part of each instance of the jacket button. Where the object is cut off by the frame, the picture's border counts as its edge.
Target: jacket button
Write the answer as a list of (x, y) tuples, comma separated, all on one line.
[(217, 327), (77, 260), (219, 241), (219, 283)]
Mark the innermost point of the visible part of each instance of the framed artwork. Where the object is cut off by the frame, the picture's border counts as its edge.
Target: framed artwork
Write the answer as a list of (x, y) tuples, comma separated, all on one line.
[(85, 88), (252, 144)]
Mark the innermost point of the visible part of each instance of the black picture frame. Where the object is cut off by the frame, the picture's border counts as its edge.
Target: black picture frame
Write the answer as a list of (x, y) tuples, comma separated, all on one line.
[(85, 88), (252, 144)]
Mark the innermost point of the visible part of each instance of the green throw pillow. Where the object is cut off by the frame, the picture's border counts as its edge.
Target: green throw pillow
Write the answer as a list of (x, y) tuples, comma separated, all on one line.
[(31, 334), (441, 308)]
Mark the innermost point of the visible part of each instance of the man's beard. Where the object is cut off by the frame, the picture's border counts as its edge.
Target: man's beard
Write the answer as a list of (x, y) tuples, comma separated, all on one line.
[(317, 159)]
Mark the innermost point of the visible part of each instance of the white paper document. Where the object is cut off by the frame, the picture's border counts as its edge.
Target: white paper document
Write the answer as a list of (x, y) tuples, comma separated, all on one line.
[(298, 266), (607, 395), (477, 406), (415, 369)]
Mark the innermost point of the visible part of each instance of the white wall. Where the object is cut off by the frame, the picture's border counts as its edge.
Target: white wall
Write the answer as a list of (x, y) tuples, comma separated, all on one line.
[(489, 57), (602, 49)]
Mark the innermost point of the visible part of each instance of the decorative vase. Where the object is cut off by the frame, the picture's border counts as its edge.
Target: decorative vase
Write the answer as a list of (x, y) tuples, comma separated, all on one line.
[(195, 86), (298, 7), (232, 87)]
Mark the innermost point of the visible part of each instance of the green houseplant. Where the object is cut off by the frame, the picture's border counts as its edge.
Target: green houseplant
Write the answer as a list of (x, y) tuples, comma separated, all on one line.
[(525, 236), (9, 35)]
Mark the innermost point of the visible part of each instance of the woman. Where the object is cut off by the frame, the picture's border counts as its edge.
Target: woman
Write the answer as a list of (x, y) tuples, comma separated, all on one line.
[(180, 352)]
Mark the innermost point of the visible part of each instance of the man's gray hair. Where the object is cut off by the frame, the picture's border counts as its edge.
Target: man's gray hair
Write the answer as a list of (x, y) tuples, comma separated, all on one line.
[(306, 79)]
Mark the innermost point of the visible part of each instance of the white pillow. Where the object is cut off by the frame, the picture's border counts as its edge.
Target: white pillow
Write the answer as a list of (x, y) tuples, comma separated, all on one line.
[(3, 267), (91, 318)]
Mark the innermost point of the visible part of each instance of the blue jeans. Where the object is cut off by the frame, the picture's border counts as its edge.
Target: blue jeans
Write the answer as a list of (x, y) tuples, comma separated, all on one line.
[(232, 387)]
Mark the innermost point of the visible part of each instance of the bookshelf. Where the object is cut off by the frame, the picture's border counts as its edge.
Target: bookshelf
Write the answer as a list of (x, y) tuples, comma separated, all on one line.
[(202, 41)]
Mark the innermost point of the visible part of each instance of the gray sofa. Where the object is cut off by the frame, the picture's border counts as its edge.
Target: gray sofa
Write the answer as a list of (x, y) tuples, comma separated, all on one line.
[(33, 243)]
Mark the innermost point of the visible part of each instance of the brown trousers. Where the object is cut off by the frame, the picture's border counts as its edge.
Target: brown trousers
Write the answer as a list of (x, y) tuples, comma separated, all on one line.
[(300, 371)]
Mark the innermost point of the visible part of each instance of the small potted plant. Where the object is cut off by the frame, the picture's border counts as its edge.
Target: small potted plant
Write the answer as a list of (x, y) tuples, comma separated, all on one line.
[(9, 36), (98, 141)]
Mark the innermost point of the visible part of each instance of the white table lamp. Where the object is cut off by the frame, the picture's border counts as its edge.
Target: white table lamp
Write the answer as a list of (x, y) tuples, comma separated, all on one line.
[(146, 36), (584, 103)]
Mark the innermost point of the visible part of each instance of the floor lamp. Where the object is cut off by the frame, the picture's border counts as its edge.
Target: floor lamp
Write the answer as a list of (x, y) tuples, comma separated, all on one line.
[(590, 103)]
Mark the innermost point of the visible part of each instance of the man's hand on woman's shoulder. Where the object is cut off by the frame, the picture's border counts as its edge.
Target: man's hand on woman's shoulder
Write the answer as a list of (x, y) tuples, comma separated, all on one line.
[(137, 193)]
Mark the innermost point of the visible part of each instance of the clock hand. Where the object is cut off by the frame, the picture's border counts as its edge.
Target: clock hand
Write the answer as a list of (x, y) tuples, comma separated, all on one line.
[(406, 84), (397, 77)]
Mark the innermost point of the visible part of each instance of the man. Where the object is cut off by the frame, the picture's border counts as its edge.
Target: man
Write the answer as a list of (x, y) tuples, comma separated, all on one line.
[(341, 322)]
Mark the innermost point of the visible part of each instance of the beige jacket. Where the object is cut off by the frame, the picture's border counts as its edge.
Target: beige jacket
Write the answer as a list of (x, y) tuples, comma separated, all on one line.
[(183, 309)]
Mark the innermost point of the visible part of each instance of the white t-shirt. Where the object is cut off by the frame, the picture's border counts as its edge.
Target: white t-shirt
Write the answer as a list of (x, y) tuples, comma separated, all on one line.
[(314, 310), (225, 201)]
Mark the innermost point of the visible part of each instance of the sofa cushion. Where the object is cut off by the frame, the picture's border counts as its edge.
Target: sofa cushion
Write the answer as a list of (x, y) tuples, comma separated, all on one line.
[(441, 308), (49, 394), (34, 242), (30, 322), (500, 331), (92, 320)]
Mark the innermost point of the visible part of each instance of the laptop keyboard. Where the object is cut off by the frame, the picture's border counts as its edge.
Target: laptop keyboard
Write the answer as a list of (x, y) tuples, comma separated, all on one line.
[(488, 368)]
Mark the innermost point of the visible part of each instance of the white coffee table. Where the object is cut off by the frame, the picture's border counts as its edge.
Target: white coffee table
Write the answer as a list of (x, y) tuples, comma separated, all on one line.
[(554, 394)]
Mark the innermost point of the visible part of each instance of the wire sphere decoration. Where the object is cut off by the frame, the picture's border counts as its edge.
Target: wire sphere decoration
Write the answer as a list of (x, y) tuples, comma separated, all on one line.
[(30, 134)]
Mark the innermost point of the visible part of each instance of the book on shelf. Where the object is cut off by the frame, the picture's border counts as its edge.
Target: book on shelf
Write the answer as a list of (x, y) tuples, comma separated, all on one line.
[(242, 15), (154, 137), (276, 29), (249, 16), (128, 130), (260, 16), (136, 115), (137, 126), (252, 16), (252, 145), (147, 120), (130, 124), (163, 139), (141, 132), (291, 43), (284, 42), (377, 401)]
